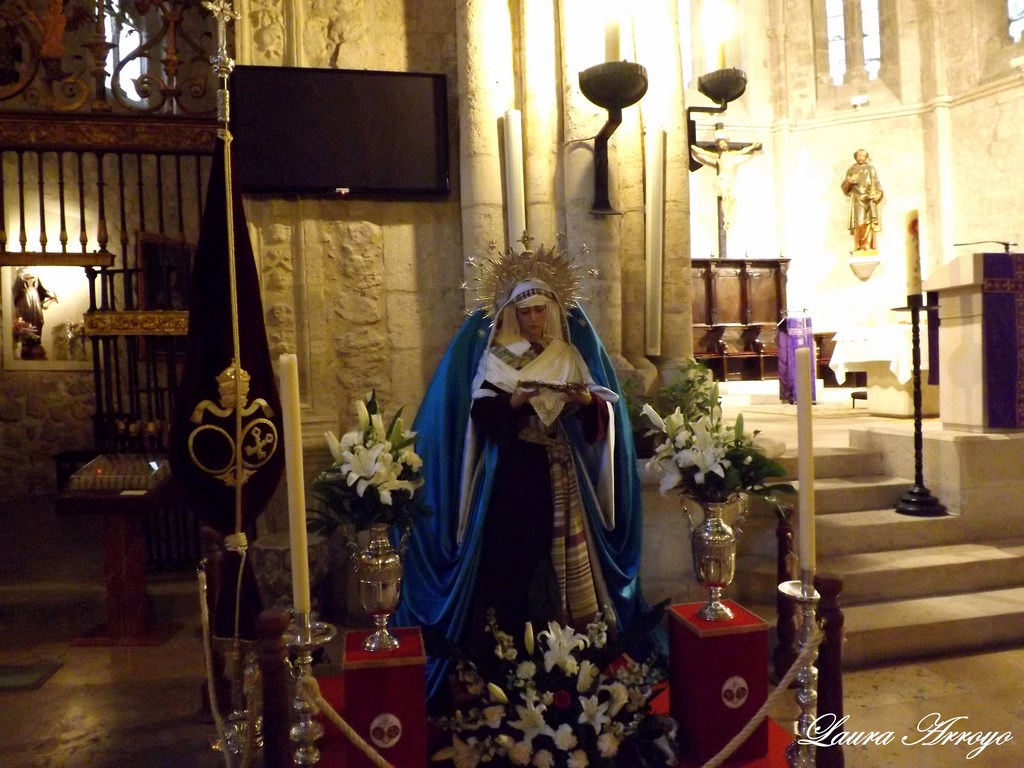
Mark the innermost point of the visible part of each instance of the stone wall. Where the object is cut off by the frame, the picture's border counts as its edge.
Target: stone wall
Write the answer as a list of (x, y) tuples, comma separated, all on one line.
[(41, 414)]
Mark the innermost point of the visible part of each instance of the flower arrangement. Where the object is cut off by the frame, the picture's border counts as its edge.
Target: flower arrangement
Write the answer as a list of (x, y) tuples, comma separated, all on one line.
[(692, 389), (711, 462), (374, 477), (565, 700), (25, 333)]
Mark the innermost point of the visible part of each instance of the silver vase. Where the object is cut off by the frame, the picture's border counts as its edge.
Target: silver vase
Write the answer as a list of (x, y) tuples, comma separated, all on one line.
[(379, 572), (714, 559)]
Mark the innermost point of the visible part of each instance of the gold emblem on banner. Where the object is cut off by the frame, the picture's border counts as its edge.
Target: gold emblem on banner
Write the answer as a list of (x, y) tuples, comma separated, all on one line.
[(212, 448)]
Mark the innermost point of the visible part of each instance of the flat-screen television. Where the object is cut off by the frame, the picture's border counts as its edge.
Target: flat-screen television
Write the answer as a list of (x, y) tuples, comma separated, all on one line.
[(359, 133)]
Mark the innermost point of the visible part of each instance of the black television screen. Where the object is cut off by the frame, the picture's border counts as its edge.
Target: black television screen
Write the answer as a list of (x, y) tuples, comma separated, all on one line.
[(360, 133)]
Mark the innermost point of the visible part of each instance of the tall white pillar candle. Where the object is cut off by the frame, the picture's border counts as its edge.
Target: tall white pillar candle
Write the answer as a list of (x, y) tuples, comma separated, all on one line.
[(515, 191), (912, 230), (805, 459), (611, 41), (288, 370)]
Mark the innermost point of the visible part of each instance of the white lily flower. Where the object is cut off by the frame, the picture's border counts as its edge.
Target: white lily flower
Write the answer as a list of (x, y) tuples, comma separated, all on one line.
[(594, 714), (361, 464), (670, 478), (335, 445), (350, 440), (653, 416), (377, 429), (497, 694), (587, 676), (362, 415), (675, 423), (531, 721), (397, 431), (562, 641), (619, 697), (528, 638)]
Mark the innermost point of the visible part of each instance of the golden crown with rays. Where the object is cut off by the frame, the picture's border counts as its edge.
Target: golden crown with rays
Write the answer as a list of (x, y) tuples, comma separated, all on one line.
[(500, 272)]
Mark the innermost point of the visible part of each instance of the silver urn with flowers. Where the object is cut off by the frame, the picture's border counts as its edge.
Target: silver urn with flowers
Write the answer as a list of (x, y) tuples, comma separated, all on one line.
[(370, 491), (716, 466)]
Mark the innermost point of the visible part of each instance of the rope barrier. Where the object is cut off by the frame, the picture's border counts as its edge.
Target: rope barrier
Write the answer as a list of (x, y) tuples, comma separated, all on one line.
[(251, 688), (306, 687), (805, 656)]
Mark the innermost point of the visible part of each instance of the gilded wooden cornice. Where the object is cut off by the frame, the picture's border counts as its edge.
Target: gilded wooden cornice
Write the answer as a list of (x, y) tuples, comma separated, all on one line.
[(50, 259), (112, 133), (137, 323)]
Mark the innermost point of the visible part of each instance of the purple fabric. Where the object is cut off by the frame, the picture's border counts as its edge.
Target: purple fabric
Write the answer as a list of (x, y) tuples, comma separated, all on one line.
[(1003, 332), (794, 332), (932, 329)]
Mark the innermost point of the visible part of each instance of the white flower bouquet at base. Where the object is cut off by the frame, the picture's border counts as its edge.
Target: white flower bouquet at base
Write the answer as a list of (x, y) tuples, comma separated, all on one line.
[(561, 700)]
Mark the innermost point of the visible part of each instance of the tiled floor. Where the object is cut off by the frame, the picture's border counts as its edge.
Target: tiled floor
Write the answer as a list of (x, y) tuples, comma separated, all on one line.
[(140, 706)]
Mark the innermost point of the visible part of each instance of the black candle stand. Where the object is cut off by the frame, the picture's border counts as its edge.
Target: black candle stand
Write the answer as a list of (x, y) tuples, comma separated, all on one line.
[(918, 501)]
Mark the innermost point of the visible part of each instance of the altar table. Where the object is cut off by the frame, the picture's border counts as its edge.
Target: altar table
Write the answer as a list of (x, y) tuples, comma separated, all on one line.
[(884, 352)]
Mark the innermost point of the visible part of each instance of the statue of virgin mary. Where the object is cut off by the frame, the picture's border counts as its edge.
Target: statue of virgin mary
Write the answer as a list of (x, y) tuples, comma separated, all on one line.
[(529, 470)]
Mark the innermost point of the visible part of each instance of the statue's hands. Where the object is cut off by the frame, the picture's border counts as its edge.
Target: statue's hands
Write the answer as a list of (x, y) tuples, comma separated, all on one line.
[(523, 394), (581, 396)]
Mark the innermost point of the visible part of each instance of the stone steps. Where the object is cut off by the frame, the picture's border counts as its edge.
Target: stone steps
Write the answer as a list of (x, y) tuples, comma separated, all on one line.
[(912, 586), (883, 530), (833, 462), (908, 574), (854, 493), (934, 626)]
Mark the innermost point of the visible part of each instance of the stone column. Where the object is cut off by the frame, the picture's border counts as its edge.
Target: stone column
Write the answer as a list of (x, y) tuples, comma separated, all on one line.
[(582, 45), (485, 91), (541, 140), (667, 88)]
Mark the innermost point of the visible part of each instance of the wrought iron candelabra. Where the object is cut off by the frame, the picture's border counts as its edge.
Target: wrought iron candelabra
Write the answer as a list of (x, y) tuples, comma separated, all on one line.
[(918, 501)]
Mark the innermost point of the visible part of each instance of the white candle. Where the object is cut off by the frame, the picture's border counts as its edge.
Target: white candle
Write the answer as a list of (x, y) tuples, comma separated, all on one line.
[(288, 370), (912, 230), (611, 41), (805, 459)]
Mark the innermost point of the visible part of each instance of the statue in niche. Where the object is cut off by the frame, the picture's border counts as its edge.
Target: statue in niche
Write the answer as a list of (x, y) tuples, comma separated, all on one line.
[(862, 187)]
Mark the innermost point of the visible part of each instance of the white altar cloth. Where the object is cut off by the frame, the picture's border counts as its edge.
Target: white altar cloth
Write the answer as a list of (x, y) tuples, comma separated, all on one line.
[(890, 344)]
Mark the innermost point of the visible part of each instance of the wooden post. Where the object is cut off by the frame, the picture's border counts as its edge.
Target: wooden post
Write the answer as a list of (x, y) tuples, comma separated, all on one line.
[(273, 659), (830, 664)]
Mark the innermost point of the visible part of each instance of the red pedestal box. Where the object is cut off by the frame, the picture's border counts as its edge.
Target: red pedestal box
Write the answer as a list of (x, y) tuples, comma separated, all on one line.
[(386, 699), (718, 675)]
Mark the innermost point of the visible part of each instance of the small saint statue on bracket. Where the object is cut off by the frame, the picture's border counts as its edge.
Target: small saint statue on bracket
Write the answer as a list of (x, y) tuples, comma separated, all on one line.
[(862, 187)]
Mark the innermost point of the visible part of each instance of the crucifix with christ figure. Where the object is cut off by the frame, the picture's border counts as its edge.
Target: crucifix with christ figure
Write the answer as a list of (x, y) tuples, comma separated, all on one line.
[(726, 157)]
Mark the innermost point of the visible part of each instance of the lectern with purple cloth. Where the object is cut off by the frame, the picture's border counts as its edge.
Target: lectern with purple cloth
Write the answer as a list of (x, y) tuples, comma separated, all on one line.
[(981, 341), (794, 332)]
